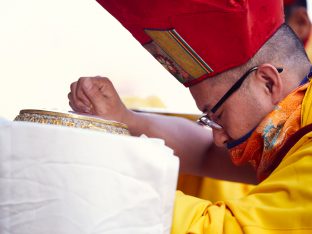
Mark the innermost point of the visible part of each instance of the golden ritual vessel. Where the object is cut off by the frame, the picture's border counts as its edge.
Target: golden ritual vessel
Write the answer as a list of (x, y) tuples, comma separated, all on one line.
[(71, 119)]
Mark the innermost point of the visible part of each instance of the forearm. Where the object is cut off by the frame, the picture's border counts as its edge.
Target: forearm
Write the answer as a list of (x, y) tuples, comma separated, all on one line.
[(218, 164), (189, 141), (193, 144)]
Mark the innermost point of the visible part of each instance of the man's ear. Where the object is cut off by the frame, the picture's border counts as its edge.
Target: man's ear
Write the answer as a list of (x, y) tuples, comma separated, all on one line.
[(272, 82)]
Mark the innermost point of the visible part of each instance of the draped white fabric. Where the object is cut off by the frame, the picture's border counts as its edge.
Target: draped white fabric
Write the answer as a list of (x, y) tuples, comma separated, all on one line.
[(64, 180)]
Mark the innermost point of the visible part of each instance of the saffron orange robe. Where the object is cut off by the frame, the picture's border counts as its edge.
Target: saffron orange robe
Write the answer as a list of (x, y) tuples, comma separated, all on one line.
[(279, 204)]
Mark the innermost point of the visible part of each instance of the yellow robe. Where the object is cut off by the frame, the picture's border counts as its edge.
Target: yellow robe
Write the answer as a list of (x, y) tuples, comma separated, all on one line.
[(282, 203), (308, 47)]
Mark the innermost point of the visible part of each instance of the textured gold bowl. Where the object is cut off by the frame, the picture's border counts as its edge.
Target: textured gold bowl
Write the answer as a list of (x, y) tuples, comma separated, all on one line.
[(70, 119)]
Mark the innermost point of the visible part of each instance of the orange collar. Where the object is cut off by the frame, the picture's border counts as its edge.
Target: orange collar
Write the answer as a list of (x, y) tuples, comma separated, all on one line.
[(267, 139)]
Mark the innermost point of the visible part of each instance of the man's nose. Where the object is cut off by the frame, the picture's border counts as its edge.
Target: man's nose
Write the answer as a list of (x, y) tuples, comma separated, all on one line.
[(220, 137)]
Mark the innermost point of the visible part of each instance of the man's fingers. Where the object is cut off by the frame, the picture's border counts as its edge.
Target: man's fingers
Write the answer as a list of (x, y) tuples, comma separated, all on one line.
[(73, 107), (100, 96), (93, 89), (76, 102), (81, 95)]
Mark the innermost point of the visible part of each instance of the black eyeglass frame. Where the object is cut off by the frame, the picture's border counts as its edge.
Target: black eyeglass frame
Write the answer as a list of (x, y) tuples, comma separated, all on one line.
[(205, 120)]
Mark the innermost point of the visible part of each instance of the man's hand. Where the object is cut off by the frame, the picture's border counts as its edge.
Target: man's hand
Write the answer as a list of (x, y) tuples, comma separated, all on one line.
[(97, 96)]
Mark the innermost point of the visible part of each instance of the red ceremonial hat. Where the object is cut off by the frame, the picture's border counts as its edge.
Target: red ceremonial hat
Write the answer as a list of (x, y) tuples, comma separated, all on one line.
[(288, 2), (197, 39)]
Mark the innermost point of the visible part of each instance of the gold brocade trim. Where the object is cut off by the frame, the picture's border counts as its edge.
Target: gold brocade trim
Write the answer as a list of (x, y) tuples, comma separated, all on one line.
[(176, 36), (176, 55)]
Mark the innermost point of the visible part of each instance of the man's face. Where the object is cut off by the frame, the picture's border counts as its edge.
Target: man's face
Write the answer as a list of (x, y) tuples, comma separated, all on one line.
[(240, 113)]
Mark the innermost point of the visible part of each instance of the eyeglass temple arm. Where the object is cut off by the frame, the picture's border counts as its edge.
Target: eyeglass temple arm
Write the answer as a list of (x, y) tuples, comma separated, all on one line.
[(236, 86)]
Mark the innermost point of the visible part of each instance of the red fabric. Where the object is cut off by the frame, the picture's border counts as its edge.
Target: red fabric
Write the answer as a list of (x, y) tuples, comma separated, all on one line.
[(224, 33), (288, 2)]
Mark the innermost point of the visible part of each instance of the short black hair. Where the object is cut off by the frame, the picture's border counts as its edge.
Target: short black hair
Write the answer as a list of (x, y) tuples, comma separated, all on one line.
[(283, 49)]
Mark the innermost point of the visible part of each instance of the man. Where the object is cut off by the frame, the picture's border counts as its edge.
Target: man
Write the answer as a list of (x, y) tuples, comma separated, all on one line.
[(248, 73), (297, 18)]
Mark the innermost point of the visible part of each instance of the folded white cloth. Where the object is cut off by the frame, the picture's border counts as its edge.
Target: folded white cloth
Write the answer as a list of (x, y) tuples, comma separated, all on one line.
[(63, 180)]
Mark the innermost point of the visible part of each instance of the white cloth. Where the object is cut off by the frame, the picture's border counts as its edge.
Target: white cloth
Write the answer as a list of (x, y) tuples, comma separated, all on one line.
[(63, 180)]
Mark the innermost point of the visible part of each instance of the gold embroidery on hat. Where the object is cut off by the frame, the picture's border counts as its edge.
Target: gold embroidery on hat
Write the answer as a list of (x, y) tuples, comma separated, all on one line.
[(172, 51)]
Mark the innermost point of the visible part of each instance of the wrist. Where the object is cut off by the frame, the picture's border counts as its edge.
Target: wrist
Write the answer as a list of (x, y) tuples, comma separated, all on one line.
[(132, 120)]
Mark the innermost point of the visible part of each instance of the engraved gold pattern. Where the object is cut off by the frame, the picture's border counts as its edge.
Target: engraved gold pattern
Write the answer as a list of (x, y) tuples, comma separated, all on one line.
[(72, 120)]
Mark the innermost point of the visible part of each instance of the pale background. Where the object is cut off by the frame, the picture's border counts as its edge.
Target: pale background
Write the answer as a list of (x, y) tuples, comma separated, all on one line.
[(46, 45)]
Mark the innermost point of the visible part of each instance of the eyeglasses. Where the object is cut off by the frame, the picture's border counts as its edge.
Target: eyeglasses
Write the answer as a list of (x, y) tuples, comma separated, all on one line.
[(205, 119)]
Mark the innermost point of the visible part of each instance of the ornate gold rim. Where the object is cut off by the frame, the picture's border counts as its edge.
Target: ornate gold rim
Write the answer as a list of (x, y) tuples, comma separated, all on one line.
[(73, 115)]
